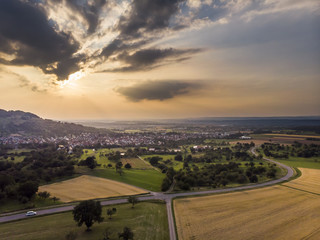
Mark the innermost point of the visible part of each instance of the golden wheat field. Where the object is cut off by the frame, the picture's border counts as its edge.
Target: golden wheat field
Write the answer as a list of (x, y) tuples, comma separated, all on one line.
[(276, 212), (88, 187), (309, 181)]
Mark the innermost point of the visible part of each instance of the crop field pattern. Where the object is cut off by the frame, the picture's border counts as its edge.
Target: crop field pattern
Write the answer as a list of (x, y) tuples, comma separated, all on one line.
[(88, 187), (277, 212), (309, 181)]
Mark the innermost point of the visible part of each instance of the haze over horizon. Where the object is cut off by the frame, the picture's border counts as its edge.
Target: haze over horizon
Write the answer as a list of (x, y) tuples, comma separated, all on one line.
[(166, 59)]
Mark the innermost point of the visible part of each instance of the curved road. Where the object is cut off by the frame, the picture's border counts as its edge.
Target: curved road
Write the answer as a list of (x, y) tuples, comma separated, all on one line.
[(162, 196)]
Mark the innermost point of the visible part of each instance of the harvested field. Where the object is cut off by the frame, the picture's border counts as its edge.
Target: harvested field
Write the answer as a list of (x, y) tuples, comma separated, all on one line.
[(88, 187), (309, 181), (275, 212)]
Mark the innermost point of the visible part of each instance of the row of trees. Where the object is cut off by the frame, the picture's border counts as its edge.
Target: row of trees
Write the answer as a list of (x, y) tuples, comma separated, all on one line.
[(296, 150), (217, 175)]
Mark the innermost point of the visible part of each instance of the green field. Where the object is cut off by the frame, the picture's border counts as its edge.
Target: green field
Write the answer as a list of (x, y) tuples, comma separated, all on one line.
[(313, 162), (14, 205), (175, 164), (147, 221), (101, 159), (148, 179), (99, 154), (301, 162), (16, 159)]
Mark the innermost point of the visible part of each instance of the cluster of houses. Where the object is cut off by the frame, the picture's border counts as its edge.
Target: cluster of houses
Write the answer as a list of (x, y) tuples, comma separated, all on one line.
[(118, 139)]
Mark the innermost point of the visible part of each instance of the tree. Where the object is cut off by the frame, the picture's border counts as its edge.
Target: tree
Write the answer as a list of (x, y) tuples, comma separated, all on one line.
[(118, 168), (55, 199), (44, 194), (126, 234), (253, 178), (178, 157), (91, 162), (28, 189), (87, 212), (127, 166), (5, 180), (133, 200), (155, 160), (110, 212)]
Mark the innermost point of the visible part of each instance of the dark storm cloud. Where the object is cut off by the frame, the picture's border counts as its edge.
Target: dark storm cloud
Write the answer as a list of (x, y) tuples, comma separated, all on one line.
[(156, 90), (138, 27), (26, 34), (147, 16), (147, 59), (118, 46), (89, 11)]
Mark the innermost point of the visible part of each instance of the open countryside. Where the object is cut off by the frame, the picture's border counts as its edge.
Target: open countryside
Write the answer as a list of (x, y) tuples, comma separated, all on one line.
[(89, 187), (269, 213), (159, 120), (148, 221)]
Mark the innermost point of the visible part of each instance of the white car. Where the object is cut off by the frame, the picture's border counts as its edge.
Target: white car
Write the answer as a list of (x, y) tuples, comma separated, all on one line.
[(31, 213)]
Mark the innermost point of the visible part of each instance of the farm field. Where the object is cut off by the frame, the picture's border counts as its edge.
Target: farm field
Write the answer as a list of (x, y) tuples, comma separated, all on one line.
[(299, 162), (292, 135), (149, 179), (309, 181), (99, 154), (136, 163), (276, 212), (147, 220), (286, 139), (175, 164), (255, 141), (89, 187)]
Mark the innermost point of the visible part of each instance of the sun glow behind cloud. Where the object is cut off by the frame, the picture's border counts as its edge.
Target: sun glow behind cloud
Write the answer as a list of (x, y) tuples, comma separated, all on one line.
[(71, 81)]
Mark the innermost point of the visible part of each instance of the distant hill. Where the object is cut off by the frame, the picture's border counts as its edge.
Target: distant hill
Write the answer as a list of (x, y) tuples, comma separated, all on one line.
[(25, 123)]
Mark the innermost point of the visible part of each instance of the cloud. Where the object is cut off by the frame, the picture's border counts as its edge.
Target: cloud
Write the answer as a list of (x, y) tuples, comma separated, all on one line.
[(28, 37), (89, 10), (147, 59), (26, 83), (156, 90), (147, 16)]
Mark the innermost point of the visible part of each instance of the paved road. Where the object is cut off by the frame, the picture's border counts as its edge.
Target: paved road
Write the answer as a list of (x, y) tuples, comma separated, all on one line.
[(162, 196)]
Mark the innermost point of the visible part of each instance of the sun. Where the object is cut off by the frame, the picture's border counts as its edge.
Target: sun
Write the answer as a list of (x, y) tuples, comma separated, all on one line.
[(72, 79)]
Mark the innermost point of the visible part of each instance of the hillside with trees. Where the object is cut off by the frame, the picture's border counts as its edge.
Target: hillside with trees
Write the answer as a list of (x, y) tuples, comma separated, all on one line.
[(25, 123)]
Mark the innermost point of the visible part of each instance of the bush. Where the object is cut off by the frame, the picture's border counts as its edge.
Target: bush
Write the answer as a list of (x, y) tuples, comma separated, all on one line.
[(128, 166)]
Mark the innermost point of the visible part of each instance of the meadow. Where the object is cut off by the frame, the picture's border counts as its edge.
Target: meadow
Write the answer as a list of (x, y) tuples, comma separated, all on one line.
[(149, 179), (276, 212), (100, 157), (298, 162), (175, 164), (89, 187), (36, 202), (148, 220), (301, 162)]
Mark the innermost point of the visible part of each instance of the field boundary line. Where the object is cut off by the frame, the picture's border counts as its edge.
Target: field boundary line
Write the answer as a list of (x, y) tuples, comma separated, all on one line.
[(148, 163), (301, 190)]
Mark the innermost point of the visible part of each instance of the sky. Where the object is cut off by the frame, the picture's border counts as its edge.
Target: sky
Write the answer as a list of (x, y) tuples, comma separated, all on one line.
[(160, 59)]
